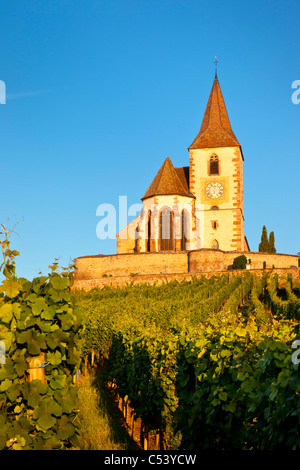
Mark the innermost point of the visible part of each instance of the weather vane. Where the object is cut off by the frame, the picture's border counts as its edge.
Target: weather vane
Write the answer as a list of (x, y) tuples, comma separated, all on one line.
[(216, 65)]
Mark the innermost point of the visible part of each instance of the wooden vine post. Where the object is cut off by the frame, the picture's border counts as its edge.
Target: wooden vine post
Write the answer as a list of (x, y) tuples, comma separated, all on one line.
[(93, 358), (145, 436), (157, 441), (35, 371)]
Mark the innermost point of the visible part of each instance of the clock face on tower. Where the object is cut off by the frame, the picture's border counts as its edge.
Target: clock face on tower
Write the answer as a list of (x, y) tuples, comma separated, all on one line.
[(214, 190)]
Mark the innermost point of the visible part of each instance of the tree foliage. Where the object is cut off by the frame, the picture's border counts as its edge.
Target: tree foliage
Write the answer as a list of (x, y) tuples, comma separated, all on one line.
[(239, 262), (264, 242), (272, 248), (267, 244)]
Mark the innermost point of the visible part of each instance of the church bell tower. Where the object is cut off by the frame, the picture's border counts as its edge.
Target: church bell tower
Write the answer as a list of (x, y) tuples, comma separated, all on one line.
[(216, 178)]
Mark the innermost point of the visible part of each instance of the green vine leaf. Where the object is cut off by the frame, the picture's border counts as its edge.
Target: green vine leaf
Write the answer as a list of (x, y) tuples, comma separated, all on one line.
[(38, 306), (65, 428), (10, 287), (5, 385), (6, 313), (54, 358), (58, 382), (46, 413)]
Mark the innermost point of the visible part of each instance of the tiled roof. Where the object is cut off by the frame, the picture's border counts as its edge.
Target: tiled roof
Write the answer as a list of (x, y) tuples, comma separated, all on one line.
[(169, 180), (215, 130), (184, 175)]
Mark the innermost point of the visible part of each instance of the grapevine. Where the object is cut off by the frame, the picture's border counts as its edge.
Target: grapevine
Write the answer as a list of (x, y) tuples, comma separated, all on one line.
[(38, 323)]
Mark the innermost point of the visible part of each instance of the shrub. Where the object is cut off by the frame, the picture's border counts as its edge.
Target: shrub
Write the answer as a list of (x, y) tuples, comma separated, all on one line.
[(239, 262)]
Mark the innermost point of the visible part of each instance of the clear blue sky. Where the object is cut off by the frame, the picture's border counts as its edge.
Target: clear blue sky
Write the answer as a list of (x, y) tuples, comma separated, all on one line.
[(99, 93)]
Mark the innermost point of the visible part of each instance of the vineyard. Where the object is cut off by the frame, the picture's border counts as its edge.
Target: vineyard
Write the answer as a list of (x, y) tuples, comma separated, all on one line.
[(203, 364), (199, 364)]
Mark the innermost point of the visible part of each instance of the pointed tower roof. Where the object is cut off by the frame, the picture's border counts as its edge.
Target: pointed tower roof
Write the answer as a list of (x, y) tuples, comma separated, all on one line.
[(168, 181), (215, 130)]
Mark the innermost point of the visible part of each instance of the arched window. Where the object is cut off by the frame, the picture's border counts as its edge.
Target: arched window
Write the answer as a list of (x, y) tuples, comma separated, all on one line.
[(166, 230), (148, 244), (184, 229), (214, 208), (214, 165), (215, 245)]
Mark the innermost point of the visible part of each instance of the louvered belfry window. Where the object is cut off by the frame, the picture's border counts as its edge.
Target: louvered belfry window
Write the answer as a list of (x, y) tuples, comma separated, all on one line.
[(214, 165)]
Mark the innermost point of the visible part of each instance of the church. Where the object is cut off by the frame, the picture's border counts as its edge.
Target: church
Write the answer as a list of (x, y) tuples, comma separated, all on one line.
[(192, 217), (196, 206)]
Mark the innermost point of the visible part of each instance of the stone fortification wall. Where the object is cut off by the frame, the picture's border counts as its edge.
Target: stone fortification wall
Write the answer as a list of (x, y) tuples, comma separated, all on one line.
[(90, 267), (218, 260), (120, 269), (151, 279)]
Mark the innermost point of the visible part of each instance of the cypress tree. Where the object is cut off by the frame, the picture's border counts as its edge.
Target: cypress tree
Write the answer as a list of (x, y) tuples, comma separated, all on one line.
[(272, 248), (264, 242)]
